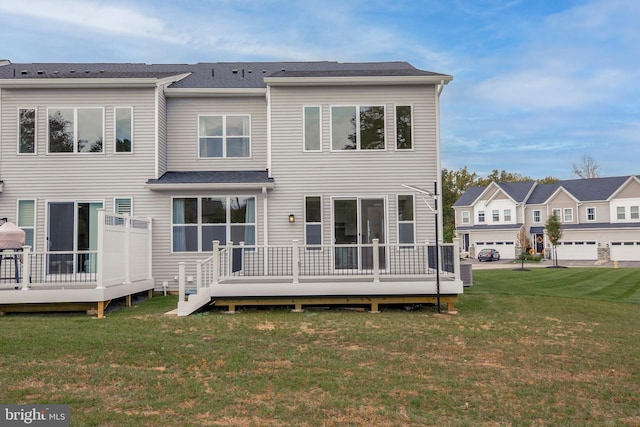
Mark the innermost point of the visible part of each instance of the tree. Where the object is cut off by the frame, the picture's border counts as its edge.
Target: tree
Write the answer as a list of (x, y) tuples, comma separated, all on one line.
[(554, 233), (586, 168), (454, 183), (523, 242)]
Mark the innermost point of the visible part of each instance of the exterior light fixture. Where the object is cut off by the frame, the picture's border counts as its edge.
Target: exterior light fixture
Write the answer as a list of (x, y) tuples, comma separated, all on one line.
[(292, 218)]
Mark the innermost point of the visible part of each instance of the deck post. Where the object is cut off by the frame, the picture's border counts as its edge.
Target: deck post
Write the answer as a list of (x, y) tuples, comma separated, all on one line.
[(127, 249), (181, 281), (101, 250), (198, 275), (230, 258), (376, 260), (296, 263), (216, 263), (26, 267)]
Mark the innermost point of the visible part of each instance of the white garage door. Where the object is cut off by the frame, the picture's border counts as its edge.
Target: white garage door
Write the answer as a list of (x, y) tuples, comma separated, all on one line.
[(625, 251), (506, 249), (579, 250)]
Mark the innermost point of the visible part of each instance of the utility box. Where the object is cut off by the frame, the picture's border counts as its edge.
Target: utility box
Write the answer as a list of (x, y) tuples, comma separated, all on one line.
[(466, 274)]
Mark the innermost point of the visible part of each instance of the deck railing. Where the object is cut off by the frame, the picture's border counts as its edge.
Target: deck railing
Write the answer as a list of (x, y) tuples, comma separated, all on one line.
[(298, 262), (123, 255)]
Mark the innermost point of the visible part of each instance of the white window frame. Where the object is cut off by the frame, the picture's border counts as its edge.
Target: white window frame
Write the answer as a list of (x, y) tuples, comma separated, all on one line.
[(567, 215), (228, 224), (558, 213), (306, 223), (481, 216), (115, 130), (358, 147), (224, 137), (75, 131), (35, 132), (466, 217), (395, 122), (412, 222), (591, 214), (115, 205), (27, 227), (634, 213), (304, 129), (537, 216), (507, 215), (621, 213), (495, 215)]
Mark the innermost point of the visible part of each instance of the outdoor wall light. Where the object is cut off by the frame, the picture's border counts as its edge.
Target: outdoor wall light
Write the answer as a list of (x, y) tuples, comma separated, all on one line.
[(292, 218)]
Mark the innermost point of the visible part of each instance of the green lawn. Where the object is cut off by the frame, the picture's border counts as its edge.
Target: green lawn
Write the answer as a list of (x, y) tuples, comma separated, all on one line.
[(543, 347)]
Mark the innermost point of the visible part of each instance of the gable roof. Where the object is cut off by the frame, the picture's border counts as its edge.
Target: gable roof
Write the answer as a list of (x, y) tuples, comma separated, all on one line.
[(593, 189), (470, 195), (518, 191), (212, 74)]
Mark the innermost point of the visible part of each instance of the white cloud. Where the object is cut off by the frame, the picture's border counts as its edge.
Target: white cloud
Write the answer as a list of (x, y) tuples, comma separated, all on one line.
[(121, 19)]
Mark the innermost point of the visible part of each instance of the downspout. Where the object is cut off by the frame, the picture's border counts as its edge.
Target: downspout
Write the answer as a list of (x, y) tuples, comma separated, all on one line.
[(156, 136), (268, 96), (265, 228)]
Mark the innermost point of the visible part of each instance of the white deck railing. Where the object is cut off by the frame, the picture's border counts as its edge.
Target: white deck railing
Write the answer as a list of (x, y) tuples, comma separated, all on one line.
[(123, 255), (294, 263)]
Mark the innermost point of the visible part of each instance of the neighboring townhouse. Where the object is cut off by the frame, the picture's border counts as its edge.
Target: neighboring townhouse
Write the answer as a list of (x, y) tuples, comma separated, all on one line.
[(263, 153), (600, 218)]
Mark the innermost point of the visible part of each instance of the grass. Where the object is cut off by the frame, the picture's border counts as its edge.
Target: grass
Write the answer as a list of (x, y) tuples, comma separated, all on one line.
[(546, 347)]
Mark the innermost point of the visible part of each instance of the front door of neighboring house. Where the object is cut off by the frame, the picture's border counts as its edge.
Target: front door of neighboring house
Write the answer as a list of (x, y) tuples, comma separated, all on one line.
[(357, 222), (72, 226), (539, 243)]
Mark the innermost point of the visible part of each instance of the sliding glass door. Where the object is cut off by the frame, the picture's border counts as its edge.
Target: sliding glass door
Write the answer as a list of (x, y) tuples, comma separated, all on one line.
[(72, 226), (357, 222)]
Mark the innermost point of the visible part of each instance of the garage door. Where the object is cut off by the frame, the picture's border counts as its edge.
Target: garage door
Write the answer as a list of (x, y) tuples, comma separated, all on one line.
[(506, 249), (578, 250), (625, 251)]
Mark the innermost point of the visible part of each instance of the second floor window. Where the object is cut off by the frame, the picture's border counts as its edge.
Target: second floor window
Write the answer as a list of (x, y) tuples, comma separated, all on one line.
[(591, 214), (357, 128), (620, 212), (480, 216), (568, 215), (224, 136), (465, 217), (124, 129), (312, 140), (76, 130), (634, 213), (507, 215), (404, 138), (27, 131), (495, 215), (537, 216)]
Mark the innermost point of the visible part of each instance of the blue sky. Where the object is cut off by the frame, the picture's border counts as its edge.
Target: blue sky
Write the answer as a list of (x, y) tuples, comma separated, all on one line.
[(537, 83)]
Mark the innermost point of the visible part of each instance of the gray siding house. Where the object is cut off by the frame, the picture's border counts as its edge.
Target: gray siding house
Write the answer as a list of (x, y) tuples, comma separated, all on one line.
[(600, 218), (260, 154)]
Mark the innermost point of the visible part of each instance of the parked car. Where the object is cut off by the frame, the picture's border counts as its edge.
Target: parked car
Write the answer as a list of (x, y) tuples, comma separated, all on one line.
[(488, 255)]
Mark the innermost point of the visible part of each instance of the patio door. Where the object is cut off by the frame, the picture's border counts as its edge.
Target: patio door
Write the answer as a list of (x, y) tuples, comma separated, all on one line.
[(72, 226), (356, 223)]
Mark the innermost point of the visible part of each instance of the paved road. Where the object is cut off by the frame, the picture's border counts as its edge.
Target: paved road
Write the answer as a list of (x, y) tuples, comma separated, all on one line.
[(547, 263)]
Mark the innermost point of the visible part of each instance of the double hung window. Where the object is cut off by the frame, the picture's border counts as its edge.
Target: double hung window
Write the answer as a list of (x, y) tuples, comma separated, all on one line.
[(406, 219), (224, 136), (480, 216), (537, 216), (313, 220), (357, 128), (591, 214), (198, 221), (76, 130)]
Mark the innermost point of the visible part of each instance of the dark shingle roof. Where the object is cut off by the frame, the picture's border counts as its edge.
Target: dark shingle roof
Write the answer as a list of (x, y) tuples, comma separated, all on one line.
[(211, 74), (469, 196), (518, 191), (593, 189), (214, 177)]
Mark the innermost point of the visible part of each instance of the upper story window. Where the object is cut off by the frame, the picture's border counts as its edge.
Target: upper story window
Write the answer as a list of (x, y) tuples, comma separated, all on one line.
[(537, 216), (123, 129), (76, 130), (495, 215), (27, 131), (224, 136), (620, 212), (634, 213), (480, 216), (591, 214), (568, 215), (406, 221), (507, 215), (198, 221), (557, 213), (313, 220), (357, 128), (404, 133), (465, 217), (312, 141)]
